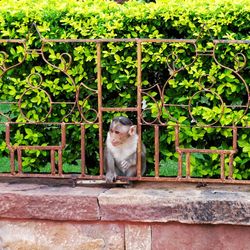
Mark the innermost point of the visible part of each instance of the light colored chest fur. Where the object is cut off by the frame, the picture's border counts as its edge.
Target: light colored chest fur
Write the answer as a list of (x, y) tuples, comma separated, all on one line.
[(121, 152)]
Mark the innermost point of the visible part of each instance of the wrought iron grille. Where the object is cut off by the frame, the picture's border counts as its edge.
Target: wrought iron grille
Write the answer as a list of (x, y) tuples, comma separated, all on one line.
[(152, 108)]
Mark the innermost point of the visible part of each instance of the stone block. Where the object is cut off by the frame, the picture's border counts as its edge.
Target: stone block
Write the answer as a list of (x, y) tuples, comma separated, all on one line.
[(185, 204), (138, 237), (44, 235), (26, 201), (175, 236)]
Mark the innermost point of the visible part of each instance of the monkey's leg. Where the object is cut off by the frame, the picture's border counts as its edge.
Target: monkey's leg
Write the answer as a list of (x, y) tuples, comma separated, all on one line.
[(132, 171), (110, 167)]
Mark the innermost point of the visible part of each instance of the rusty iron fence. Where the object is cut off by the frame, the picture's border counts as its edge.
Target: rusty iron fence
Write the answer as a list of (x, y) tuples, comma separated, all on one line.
[(184, 154)]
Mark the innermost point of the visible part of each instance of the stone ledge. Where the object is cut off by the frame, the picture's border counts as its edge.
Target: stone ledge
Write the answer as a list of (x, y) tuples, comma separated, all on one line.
[(47, 202), (144, 202), (184, 203)]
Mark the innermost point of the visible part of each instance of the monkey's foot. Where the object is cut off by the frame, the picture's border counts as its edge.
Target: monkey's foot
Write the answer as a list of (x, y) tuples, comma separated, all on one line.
[(110, 177)]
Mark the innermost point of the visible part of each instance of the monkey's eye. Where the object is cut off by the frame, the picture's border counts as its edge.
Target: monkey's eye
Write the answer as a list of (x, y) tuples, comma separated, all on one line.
[(117, 132)]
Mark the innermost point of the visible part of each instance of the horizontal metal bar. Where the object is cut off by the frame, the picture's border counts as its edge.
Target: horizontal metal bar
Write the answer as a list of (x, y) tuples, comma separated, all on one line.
[(98, 182), (165, 104), (205, 151), (192, 180), (231, 41), (63, 103), (105, 40), (4, 102), (53, 176), (118, 109), (12, 40), (22, 147), (122, 179), (46, 123), (129, 109)]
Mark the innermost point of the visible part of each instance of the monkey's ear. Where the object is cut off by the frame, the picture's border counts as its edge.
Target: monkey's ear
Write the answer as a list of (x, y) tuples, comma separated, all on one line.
[(132, 130)]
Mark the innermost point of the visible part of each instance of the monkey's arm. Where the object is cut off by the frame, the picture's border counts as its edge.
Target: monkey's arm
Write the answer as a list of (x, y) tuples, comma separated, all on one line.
[(132, 160), (129, 161), (109, 165)]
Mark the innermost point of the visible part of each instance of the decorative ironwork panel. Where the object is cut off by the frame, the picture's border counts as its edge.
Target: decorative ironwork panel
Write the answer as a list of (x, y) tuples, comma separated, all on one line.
[(44, 102)]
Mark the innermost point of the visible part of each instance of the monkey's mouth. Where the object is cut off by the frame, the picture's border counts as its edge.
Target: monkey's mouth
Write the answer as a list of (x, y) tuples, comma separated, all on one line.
[(115, 143)]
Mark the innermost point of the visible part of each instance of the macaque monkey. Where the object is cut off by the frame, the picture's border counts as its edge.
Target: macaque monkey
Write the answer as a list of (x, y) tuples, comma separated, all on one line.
[(120, 154)]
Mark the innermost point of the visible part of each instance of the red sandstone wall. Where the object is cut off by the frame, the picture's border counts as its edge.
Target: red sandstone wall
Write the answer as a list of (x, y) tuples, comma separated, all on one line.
[(45, 235), (146, 217)]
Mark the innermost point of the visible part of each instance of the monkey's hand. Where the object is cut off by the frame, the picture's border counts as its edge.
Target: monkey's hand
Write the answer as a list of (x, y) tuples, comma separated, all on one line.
[(110, 177), (125, 165)]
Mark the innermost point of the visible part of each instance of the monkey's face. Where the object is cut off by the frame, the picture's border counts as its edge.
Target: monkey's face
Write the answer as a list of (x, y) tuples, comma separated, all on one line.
[(118, 134)]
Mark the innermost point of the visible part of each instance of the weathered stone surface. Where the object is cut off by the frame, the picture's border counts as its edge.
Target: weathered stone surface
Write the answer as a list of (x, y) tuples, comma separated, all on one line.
[(42, 216), (159, 202), (138, 237), (38, 235), (173, 236), (46, 202), (184, 203)]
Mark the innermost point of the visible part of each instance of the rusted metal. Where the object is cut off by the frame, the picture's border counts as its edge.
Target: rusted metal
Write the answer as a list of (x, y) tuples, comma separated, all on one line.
[(180, 164), (52, 157), (117, 40), (183, 154), (230, 173), (63, 135), (60, 163), (19, 159), (222, 164), (82, 150), (231, 156), (216, 41), (178, 151), (12, 162), (99, 79), (157, 153), (188, 165), (139, 100), (205, 151), (122, 109)]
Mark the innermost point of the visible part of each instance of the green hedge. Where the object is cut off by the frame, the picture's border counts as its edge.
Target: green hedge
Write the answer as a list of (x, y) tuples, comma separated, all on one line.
[(133, 19)]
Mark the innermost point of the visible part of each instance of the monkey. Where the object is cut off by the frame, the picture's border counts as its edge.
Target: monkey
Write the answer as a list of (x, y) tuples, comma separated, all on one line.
[(120, 153)]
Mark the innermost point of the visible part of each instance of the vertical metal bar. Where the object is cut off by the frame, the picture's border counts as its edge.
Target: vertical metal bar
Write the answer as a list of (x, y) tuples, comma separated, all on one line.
[(157, 151), (63, 135), (235, 138), (19, 160), (63, 144), (52, 162), (188, 165), (7, 135), (99, 87), (177, 136), (222, 166), (179, 165), (60, 165), (12, 161), (139, 130), (231, 156), (177, 129), (231, 159), (12, 151), (82, 150)]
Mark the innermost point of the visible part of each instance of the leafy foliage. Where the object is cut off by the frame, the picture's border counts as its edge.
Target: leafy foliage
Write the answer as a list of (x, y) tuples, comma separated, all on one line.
[(211, 88)]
